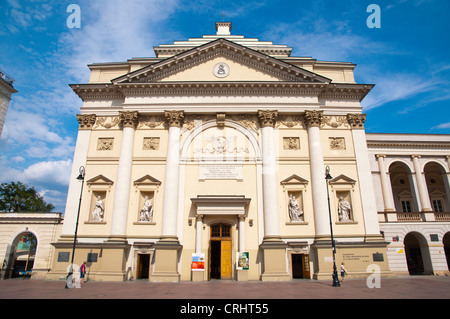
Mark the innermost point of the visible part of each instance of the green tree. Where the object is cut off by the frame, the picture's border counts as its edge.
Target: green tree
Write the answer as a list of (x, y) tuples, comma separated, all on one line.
[(17, 197)]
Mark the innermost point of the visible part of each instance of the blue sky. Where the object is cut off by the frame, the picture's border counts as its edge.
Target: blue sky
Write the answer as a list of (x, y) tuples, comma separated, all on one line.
[(408, 59)]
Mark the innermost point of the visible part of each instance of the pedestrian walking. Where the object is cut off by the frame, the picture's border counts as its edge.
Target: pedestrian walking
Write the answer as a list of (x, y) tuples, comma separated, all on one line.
[(82, 271), (343, 271)]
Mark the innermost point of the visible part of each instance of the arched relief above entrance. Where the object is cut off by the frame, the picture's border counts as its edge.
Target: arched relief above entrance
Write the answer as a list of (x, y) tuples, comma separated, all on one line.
[(230, 142)]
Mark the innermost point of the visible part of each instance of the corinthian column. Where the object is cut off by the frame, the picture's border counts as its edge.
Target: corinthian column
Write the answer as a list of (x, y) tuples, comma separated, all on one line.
[(274, 249), (86, 122), (166, 253), (170, 200), (313, 119), (269, 170), (129, 120)]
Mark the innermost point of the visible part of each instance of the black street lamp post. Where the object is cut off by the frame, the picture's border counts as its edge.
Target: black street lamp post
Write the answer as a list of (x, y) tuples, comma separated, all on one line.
[(80, 178), (333, 243)]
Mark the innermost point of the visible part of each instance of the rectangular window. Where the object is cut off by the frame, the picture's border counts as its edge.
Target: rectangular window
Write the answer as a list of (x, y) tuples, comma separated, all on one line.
[(437, 205), (406, 206)]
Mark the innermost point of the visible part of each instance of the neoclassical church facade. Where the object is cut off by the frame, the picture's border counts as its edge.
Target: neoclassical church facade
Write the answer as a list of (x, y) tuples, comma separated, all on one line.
[(210, 160)]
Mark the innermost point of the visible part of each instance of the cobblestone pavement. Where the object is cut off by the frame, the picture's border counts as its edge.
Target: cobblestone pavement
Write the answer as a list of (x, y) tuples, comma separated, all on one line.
[(230, 299), (418, 287)]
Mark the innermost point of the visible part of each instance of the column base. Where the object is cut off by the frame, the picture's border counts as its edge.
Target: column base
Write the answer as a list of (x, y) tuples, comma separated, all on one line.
[(274, 252), (166, 261), (360, 258)]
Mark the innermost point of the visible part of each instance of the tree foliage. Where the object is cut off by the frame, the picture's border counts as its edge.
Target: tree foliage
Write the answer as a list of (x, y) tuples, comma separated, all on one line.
[(17, 197)]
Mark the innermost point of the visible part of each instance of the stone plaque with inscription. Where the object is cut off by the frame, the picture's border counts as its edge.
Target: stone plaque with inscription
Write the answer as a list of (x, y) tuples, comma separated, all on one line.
[(220, 171)]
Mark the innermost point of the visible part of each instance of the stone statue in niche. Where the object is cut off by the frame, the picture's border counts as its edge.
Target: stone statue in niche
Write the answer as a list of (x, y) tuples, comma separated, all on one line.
[(97, 213), (344, 209), (146, 213), (295, 214)]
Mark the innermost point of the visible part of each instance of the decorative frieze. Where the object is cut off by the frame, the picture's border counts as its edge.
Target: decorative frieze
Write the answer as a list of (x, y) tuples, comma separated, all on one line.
[(267, 118), (86, 121), (129, 119), (313, 118), (174, 118)]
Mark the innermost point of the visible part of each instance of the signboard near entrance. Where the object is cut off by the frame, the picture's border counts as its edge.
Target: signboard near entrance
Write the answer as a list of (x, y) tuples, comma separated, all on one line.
[(242, 260), (198, 262)]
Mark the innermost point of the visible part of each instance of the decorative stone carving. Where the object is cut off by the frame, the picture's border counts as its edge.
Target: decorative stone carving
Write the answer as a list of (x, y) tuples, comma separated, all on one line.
[(313, 118), (267, 118), (246, 120), (86, 121), (337, 143), (151, 121), (150, 143), (344, 210), (129, 119), (291, 143), (295, 213), (174, 118), (98, 212), (146, 212), (107, 122), (334, 121), (290, 120), (105, 144), (356, 120)]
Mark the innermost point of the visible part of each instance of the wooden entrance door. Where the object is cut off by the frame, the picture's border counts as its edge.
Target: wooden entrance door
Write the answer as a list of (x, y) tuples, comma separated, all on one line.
[(220, 252), (225, 260)]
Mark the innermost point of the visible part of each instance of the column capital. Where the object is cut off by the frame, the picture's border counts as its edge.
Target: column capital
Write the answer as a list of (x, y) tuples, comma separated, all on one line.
[(380, 155), (267, 118), (86, 121), (415, 156), (313, 118), (129, 118), (174, 118), (356, 120)]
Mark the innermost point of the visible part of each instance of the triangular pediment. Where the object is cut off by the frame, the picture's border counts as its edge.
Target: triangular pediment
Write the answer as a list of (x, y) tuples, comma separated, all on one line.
[(100, 180), (221, 61), (342, 179), (147, 180), (294, 180)]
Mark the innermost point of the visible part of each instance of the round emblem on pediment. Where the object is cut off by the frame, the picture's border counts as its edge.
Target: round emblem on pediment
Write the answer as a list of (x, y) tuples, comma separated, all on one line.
[(221, 70)]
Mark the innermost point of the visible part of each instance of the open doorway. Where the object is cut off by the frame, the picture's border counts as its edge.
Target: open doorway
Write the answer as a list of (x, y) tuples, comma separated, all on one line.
[(220, 252), (143, 266), (300, 266)]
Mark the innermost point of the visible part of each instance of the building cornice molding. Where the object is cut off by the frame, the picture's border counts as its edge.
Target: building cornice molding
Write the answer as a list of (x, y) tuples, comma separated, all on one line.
[(107, 91)]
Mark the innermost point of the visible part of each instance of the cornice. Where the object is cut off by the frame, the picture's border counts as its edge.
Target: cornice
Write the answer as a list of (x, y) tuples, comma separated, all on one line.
[(109, 91)]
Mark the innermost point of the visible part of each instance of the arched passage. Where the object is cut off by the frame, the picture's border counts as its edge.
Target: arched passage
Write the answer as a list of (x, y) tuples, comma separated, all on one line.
[(417, 254), (437, 187), (402, 188), (22, 254)]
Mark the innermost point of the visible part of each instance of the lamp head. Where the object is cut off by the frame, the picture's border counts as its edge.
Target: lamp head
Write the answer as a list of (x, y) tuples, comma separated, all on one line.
[(81, 176), (327, 173)]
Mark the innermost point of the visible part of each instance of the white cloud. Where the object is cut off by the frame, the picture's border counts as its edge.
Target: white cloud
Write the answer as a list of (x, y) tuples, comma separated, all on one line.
[(48, 173), (113, 30), (441, 126), (395, 87)]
